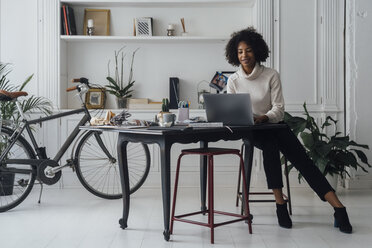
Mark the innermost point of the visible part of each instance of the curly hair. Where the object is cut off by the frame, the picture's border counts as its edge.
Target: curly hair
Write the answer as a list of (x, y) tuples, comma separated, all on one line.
[(253, 39)]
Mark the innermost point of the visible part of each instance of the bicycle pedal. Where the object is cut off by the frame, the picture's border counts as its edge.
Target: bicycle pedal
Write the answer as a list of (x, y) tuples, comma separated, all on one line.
[(23, 183)]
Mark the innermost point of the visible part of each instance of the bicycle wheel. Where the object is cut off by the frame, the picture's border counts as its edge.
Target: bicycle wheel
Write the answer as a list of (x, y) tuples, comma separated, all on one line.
[(16, 180), (99, 174)]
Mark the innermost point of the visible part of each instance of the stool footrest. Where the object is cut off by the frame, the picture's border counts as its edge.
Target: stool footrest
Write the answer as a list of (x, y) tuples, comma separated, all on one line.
[(193, 213), (240, 218), (262, 193)]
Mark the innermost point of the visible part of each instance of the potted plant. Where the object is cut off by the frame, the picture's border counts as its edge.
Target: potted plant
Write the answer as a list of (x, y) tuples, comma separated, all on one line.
[(332, 154), (117, 86), (10, 115)]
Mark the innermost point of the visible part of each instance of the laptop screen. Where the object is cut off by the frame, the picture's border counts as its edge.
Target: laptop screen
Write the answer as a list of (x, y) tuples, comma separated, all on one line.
[(230, 109)]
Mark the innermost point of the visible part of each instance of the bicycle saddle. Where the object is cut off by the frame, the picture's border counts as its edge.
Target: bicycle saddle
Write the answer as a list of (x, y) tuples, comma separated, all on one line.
[(8, 96)]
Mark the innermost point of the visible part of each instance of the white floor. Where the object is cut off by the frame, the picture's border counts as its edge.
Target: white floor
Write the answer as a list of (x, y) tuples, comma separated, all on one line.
[(74, 218)]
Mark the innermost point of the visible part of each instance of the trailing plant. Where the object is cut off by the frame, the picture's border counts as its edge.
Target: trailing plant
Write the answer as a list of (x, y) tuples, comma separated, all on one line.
[(116, 85), (29, 104), (332, 154)]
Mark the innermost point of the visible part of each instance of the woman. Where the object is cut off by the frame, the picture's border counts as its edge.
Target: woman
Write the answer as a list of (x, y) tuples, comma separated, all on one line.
[(247, 49)]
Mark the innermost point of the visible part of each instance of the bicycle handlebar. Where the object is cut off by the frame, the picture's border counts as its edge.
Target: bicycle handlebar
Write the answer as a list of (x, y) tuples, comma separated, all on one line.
[(71, 88), (80, 80)]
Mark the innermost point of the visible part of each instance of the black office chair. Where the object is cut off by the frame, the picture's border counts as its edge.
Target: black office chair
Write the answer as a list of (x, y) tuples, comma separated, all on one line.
[(287, 197)]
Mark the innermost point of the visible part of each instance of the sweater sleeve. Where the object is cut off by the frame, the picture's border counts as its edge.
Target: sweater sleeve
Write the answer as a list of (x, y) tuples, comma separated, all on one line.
[(276, 113), (230, 86)]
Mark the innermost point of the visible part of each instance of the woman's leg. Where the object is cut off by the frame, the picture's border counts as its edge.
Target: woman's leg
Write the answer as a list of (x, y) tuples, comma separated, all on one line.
[(278, 194), (265, 140), (332, 199), (293, 150)]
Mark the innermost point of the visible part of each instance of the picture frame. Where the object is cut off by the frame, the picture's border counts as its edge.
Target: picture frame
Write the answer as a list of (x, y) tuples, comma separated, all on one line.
[(143, 26), (219, 80), (101, 21), (95, 98)]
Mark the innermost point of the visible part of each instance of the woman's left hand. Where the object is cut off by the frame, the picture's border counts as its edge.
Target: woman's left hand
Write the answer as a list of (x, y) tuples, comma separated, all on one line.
[(261, 119)]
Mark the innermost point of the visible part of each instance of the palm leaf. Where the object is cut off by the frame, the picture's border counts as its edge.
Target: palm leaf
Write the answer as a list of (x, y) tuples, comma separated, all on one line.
[(29, 105), (26, 82)]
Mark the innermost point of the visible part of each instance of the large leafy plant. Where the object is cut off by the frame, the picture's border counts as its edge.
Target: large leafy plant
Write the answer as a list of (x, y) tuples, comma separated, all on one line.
[(332, 154), (29, 104), (116, 85)]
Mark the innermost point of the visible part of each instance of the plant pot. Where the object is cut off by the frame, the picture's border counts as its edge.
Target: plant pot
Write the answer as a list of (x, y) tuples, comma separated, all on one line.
[(6, 184), (333, 180), (121, 102)]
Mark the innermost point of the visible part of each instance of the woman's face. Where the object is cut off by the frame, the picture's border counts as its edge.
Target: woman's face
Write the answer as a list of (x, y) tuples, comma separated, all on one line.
[(246, 55)]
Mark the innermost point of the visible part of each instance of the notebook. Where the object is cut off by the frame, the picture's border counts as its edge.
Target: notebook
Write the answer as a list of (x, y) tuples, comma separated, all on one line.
[(230, 109)]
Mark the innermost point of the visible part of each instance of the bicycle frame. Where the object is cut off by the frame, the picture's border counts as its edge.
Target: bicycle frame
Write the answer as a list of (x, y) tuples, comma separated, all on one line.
[(40, 155)]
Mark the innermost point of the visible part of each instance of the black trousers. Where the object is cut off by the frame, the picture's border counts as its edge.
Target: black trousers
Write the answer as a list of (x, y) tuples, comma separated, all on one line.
[(274, 141)]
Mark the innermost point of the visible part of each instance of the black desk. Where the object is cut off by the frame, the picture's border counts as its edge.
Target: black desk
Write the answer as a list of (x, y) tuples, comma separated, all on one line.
[(165, 138)]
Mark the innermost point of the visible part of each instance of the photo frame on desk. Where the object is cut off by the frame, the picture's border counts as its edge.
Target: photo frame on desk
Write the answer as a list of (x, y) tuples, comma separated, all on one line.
[(219, 80), (95, 98), (101, 21)]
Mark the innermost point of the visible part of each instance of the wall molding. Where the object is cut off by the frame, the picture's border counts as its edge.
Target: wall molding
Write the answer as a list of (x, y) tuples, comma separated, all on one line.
[(265, 26), (359, 179), (48, 49), (331, 52)]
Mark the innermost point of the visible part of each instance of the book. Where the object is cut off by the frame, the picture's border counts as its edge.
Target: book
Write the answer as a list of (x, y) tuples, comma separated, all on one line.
[(65, 19), (138, 101), (205, 124), (156, 106), (71, 20), (63, 28)]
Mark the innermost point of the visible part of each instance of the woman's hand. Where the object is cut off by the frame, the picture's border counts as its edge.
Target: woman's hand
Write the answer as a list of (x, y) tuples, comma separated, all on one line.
[(261, 119)]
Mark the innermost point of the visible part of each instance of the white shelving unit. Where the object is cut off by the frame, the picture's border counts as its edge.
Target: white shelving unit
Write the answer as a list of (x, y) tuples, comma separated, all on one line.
[(161, 3), (191, 58), (171, 39)]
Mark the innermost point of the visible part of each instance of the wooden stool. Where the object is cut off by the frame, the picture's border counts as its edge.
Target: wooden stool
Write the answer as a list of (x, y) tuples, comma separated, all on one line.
[(209, 152), (287, 197)]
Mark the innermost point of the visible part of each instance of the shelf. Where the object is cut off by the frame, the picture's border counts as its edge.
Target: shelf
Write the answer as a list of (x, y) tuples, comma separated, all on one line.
[(160, 3), (188, 39)]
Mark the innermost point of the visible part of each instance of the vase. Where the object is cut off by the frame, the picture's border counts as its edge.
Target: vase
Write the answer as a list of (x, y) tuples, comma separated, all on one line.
[(121, 102), (333, 180)]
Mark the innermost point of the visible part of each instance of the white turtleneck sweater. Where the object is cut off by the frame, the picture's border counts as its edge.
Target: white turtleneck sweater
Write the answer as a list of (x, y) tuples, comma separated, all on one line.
[(265, 89)]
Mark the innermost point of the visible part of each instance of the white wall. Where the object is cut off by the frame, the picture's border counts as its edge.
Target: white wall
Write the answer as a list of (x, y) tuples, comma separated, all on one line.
[(19, 44), (359, 85), (18, 39)]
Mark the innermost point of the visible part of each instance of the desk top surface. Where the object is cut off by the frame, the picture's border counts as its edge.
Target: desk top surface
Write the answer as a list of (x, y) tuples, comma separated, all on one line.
[(174, 130)]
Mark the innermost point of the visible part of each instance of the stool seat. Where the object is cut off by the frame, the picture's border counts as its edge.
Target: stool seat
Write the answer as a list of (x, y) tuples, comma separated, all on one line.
[(210, 151)]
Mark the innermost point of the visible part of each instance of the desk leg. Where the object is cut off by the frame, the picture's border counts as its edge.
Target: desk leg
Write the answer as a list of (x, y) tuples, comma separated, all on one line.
[(124, 179), (203, 177), (165, 185), (248, 159)]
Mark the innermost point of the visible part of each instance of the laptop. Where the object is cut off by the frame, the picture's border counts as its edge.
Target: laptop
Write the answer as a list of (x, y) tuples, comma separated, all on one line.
[(230, 109)]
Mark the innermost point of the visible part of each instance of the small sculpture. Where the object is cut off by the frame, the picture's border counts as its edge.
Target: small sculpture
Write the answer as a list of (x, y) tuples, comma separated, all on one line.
[(117, 120)]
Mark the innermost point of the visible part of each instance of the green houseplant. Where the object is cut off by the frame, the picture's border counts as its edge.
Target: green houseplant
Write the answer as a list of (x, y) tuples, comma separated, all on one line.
[(332, 154), (30, 104), (10, 115), (117, 86)]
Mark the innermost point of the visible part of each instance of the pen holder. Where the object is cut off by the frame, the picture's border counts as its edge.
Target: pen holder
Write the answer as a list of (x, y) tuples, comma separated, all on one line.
[(183, 114)]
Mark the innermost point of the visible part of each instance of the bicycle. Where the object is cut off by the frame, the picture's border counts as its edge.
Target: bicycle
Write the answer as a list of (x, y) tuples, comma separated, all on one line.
[(94, 159)]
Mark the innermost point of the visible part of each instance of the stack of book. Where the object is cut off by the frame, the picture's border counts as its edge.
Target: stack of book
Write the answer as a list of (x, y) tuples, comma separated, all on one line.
[(68, 25), (143, 103)]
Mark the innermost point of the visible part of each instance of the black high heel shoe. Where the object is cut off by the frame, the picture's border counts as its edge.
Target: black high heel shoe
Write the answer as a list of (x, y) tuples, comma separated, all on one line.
[(342, 220), (283, 217)]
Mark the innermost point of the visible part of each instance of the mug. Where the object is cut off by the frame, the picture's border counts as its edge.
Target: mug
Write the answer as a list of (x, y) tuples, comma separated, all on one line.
[(167, 120)]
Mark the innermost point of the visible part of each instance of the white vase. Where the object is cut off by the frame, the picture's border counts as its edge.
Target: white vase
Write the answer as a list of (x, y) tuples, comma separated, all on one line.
[(333, 180)]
